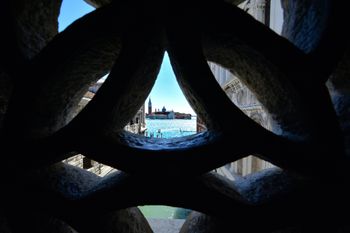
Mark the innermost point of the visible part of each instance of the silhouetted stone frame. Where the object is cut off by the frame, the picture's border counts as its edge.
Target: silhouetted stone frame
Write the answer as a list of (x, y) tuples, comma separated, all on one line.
[(113, 37)]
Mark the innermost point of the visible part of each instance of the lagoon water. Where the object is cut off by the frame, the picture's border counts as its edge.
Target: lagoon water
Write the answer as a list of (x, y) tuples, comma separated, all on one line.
[(170, 128)]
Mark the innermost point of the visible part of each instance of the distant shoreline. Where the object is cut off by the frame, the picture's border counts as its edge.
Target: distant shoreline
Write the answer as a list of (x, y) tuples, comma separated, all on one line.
[(171, 118)]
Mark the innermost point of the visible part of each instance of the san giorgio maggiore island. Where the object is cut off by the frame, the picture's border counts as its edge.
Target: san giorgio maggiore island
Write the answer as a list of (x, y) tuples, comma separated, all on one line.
[(168, 124), (164, 114)]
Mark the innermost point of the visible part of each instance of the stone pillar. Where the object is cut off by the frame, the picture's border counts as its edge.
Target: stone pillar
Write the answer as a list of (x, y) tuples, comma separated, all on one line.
[(247, 161), (259, 10), (257, 164), (275, 16), (87, 163), (239, 167)]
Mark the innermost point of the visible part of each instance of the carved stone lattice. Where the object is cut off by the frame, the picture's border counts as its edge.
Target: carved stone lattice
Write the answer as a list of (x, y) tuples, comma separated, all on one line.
[(43, 76)]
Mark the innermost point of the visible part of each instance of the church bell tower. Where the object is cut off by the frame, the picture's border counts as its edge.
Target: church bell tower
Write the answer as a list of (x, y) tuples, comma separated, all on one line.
[(149, 106)]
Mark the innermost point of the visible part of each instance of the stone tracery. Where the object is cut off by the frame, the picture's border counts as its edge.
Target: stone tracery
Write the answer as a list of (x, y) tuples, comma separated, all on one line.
[(51, 76)]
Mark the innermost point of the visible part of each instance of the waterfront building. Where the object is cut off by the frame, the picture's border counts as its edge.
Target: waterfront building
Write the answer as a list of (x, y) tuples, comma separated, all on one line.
[(164, 114), (179, 115)]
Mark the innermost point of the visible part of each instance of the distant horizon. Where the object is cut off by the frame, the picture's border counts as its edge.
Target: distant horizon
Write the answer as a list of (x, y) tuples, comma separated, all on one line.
[(167, 109)]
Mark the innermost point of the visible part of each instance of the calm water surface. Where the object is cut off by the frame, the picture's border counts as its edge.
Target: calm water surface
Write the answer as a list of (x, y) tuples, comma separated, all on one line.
[(168, 129)]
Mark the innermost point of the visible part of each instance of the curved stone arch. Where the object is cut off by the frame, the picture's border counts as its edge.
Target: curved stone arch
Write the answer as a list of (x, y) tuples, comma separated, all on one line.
[(144, 159), (58, 90)]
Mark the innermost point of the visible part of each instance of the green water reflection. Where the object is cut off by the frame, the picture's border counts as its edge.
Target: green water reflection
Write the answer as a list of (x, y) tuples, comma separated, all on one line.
[(160, 211)]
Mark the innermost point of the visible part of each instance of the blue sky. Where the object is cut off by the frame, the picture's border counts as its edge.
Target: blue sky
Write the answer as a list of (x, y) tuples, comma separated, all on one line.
[(166, 91), (72, 10)]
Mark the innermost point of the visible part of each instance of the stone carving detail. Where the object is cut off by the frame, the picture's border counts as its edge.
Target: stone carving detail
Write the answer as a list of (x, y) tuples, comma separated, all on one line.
[(46, 78)]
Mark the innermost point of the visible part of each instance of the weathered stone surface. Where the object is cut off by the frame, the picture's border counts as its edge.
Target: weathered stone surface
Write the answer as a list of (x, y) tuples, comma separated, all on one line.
[(6, 87), (130, 220), (32, 221), (98, 3), (304, 22), (242, 97), (318, 29), (63, 183), (234, 2), (253, 61), (200, 223), (339, 79), (4, 227), (70, 181), (287, 79), (265, 185), (27, 29), (63, 72), (339, 88), (73, 183), (35, 24), (259, 188)]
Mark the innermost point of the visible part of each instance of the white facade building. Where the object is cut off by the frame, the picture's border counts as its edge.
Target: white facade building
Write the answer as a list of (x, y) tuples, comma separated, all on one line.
[(267, 12)]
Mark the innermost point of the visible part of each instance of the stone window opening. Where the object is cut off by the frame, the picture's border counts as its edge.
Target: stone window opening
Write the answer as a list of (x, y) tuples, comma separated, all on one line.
[(44, 74)]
